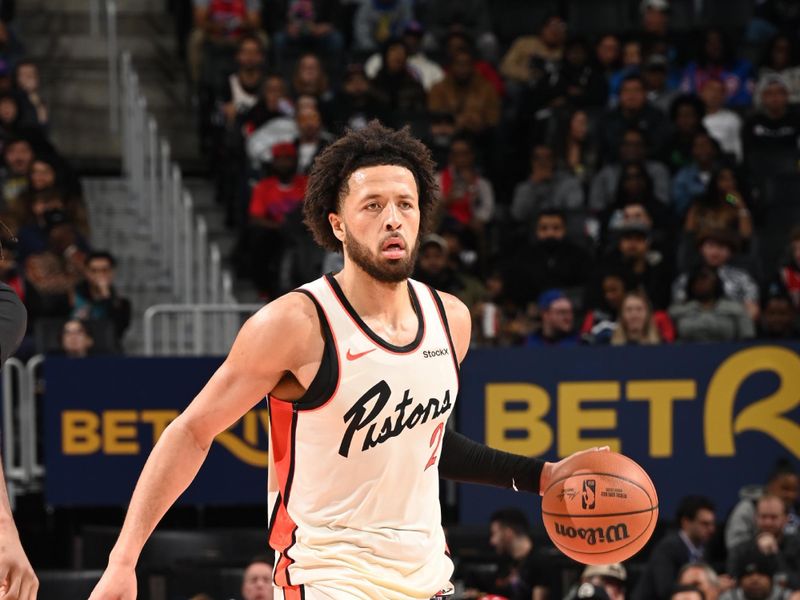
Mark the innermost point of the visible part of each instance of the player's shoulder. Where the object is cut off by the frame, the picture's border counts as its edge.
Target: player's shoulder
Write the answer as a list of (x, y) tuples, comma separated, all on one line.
[(291, 317), (454, 308), (459, 320)]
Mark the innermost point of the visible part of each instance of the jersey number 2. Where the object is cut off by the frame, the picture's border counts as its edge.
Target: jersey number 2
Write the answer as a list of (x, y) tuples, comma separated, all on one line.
[(436, 439)]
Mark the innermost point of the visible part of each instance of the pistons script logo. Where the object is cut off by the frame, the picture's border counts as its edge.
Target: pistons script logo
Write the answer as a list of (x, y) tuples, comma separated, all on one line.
[(364, 414)]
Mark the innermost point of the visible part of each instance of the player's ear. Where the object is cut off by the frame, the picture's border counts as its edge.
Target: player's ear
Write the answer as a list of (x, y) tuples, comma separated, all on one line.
[(337, 224)]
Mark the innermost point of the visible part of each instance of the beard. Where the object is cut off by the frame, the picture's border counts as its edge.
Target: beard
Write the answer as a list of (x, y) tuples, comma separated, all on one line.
[(395, 270)]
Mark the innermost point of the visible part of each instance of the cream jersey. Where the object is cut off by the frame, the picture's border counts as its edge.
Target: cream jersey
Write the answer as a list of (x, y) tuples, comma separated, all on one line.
[(354, 463)]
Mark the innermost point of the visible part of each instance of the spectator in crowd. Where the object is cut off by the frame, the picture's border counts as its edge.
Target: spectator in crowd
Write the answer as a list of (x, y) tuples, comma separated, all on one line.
[(525, 577), (636, 187), (426, 71), (631, 66), (575, 83), (65, 241), (441, 133), (770, 539), (357, 103), (218, 27), (781, 58), (789, 272), (701, 576), (607, 53), (273, 199), (26, 80), (46, 176), (33, 232), (631, 150), (468, 17), (605, 304), (376, 22), (532, 57), (611, 578), (575, 147), (558, 321), (706, 315), (656, 82), (96, 298), (696, 524), (257, 579), (547, 188), (779, 319), (458, 42), (715, 60), (754, 579), (309, 79), (311, 137), (721, 208), (636, 324), (633, 112), (722, 124), (471, 100), (241, 92), (686, 114), (467, 198), (717, 248), (783, 482), (545, 260), (47, 287), (687, 592), (303, 26), (273, 102), (403, 94), (692, 180), (17, 161), (771, 135), (434, 269), (655, 25), (76, 339), (641, 265)]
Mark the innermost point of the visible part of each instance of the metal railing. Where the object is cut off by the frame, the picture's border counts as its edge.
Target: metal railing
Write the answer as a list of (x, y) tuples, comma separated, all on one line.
[(23, 462), (193, 329)]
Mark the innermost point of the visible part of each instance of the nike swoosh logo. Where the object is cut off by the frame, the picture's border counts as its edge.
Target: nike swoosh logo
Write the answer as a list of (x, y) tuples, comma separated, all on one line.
[(351, 356)]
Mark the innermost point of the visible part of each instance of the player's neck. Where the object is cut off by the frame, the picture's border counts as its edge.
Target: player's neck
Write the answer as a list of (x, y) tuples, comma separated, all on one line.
[(372, 298), (521, 547)]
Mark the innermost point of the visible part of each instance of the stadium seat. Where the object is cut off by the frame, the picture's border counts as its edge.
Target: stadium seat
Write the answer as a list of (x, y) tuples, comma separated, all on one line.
[(67, 585)]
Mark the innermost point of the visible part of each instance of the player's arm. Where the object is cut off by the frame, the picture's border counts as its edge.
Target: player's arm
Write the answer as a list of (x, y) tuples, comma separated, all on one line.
[(467, 461), (275, 340), (17, 579)]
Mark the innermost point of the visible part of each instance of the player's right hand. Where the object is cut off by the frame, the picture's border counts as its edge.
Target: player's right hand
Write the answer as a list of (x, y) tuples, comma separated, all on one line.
[(117, 583), (17, 579)]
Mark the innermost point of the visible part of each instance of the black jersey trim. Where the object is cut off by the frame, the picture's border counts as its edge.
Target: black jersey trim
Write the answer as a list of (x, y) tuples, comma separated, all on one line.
[(437, 299), (326, 380), (337, 290)]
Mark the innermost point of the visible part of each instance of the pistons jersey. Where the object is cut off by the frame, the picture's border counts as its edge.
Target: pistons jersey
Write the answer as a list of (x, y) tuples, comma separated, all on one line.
[(354, 463)]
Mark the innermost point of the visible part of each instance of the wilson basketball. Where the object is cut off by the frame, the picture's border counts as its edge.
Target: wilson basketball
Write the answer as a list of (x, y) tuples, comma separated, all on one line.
[(600, 508)]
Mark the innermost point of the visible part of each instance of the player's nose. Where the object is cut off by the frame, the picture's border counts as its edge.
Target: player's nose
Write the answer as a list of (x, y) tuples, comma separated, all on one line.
[(392, 216)]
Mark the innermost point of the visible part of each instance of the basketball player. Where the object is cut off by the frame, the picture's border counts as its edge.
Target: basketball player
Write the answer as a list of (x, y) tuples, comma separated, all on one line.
[(17, 579), (360, 370)]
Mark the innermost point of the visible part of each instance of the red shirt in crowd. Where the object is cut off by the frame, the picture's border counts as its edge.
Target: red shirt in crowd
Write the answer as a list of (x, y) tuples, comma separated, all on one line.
[(273, 200)]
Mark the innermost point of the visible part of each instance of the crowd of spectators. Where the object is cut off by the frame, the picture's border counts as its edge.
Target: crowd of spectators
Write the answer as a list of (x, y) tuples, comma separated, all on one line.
[(46, 257), (637, 187)]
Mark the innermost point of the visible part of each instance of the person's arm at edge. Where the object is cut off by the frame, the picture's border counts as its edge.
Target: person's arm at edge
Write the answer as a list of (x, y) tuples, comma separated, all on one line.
[(14, 565), (468, 461), (284, 327)]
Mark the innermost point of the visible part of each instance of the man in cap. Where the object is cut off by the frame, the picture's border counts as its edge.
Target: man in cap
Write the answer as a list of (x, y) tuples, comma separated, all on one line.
[(703, 577), (611, 578), (558, 321), (773, 131), (754, 579)]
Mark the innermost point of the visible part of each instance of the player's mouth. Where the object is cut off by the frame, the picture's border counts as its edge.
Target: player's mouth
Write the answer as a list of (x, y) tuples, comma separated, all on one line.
[(393, 248)]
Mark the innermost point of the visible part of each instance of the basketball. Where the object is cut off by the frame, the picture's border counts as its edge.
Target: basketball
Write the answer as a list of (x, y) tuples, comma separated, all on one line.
[(600, 508)]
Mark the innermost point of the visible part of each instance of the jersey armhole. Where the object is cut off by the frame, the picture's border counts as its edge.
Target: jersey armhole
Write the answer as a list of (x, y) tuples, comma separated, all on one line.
[(437, 299), (325, 381)]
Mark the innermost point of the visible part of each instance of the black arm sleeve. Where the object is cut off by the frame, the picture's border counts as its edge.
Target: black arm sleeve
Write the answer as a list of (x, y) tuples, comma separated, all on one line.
[(470, 462), (13, 320)]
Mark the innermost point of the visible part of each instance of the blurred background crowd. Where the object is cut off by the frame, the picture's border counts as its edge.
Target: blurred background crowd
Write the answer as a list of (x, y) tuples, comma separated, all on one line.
[(612, 172)]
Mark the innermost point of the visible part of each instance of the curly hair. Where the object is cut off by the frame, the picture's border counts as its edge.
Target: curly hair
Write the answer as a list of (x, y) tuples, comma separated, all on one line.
[(375, 145)]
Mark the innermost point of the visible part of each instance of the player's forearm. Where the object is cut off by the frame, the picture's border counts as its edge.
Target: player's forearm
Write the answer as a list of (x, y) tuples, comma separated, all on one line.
[(470, 462), (5, 505), (169, 470)]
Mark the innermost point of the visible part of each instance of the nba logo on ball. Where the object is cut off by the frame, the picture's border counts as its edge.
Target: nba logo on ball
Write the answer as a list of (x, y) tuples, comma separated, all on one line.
[(587, 499), (615, 516)]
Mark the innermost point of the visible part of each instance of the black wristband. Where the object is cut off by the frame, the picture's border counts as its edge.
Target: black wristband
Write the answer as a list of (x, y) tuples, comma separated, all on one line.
[(468, 461)]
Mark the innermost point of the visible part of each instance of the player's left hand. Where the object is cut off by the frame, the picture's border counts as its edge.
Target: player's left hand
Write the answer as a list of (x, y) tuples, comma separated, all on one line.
[(17, 579), (550, 468)]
